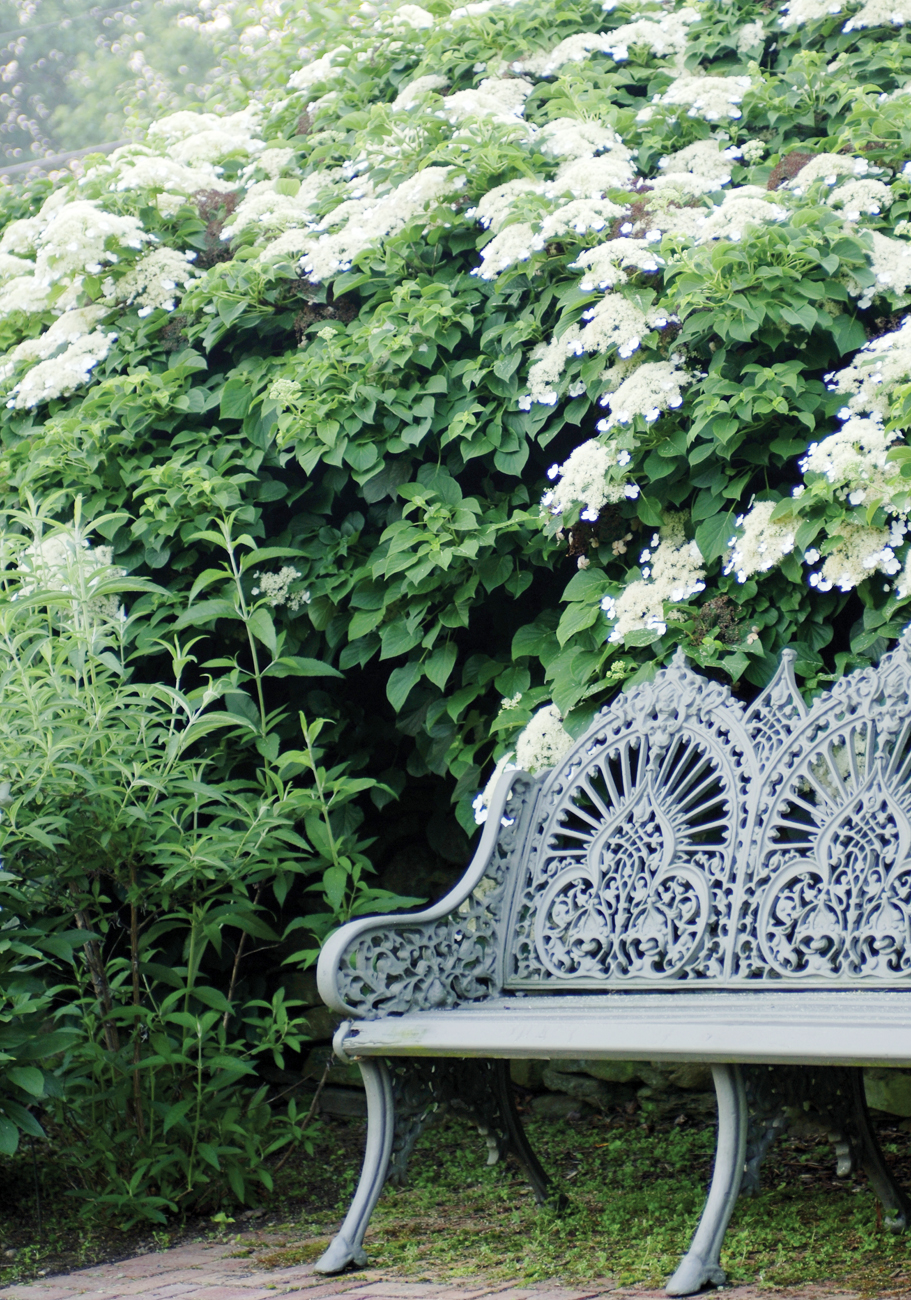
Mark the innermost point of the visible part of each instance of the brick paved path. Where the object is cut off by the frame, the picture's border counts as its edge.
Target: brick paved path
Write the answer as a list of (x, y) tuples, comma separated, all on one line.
[(231, 1271)]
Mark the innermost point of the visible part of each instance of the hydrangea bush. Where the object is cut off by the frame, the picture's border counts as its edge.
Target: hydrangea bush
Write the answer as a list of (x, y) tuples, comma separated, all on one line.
[(539, 340)]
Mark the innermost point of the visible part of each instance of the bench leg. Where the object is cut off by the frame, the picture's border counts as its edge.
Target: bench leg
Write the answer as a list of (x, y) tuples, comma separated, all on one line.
[(699, 1266), (516, 1141), (870, 1157), (347, 1246)]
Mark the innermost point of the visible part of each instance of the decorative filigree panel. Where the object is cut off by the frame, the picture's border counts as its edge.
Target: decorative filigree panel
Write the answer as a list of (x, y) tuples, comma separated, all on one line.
[(630, 863), (683, 839), (687, 839), (831, 898), (393, 964)]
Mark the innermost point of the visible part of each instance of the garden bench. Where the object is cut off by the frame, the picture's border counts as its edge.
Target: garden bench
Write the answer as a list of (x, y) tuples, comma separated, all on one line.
[(697, 880)]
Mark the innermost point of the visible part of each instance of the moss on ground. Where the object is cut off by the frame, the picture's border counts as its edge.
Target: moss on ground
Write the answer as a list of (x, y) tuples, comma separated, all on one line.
[(635, 1181)]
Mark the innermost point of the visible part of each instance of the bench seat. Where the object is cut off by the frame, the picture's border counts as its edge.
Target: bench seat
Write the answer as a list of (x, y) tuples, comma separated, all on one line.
[(808, 1028)]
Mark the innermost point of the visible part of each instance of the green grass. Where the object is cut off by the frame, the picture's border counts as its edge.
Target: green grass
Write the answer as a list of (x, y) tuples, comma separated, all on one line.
[(635, 1197), (635, 1193)]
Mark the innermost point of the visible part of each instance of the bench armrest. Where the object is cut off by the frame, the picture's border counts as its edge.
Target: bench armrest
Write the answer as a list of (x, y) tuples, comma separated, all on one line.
[(448, 953)]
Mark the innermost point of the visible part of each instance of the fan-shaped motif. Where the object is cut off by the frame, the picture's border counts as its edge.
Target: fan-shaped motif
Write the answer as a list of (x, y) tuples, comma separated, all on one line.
[(631, 867)]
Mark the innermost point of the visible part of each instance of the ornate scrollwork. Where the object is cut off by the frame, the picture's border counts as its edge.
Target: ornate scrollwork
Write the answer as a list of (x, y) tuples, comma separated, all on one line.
[(632, 851), (845, 910), (424, 1091), (394, 964), (683, 839)]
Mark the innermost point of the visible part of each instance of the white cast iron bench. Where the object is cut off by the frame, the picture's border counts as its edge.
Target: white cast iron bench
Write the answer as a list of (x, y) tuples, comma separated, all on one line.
[(695, 881)]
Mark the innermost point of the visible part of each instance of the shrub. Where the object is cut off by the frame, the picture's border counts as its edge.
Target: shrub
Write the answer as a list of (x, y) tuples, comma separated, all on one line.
[(523, 344)]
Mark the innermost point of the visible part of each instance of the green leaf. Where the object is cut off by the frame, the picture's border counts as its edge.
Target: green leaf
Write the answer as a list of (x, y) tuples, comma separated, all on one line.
[(576, 618), (848, 333), (335, 885), (27, 1077), (261, 625), (235, 399), (9, 1137), (440, 664), (300, 666), (400, 682), (713, 535)]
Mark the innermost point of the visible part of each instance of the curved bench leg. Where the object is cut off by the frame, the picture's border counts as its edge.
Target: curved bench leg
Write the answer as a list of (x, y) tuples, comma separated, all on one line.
[(517, 1141), (700, 1265), (347, 1246), (894, 1201)]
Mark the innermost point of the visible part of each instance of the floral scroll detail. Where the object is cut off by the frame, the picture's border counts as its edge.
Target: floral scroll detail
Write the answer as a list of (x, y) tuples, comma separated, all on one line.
[(847, 910), (423, 965), (633, 898)]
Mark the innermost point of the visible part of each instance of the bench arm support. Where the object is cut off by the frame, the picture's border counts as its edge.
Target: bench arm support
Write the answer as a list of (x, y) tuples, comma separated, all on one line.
[(444, 955), (700, 1265)]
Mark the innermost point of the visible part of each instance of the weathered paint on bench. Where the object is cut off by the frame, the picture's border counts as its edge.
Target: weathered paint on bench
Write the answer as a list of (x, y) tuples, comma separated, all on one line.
[(696, 880)]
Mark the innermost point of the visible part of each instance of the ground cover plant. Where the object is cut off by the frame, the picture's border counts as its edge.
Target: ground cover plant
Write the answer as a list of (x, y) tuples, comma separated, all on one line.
[(635, 1187), (375, 432)]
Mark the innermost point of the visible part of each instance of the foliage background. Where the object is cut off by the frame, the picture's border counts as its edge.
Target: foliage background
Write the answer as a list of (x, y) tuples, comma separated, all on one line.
[(364, 431)]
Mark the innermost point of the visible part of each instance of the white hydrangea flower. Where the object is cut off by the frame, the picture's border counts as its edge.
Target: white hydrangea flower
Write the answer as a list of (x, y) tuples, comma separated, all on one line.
[(418, 87), (271, 161), (653, 387), (575, 137), (155, 280), (711, 98), (543, 742), (500, 98), (663, 35), (72, 239), (854, 461), (69, 327), (136, 171), (60, 375), (276, 588), (826, 167), (64, 562), (413, 16), (761, 544), (199, 138), (322, 69), (672, 571), (859, 552), (861, 197), (369, 220), (497, 204), (23, 293), (548, 361), (797, 13), (614, 322), (874, 371), (513, 244), (880, 13), (747, 206), (604, 262), (265, 209), (580, 216), (890, 261), (590, 177), (753, 151), (750, 36), (903, 585), (700, 168), (590, 478)]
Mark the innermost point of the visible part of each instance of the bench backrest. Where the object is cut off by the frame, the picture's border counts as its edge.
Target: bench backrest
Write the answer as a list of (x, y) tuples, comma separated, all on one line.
[(689, 839), (684, 841)]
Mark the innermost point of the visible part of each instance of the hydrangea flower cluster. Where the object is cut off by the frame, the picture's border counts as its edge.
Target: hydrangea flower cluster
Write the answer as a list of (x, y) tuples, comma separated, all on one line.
[(672, 570), (591, 478)]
